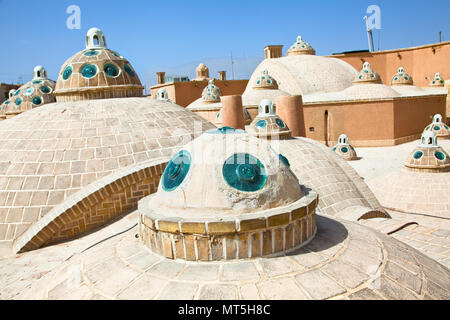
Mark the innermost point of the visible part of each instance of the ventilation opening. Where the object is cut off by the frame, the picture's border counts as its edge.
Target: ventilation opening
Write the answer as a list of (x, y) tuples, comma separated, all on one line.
[(39, 74), (96, 40), (267, 109)]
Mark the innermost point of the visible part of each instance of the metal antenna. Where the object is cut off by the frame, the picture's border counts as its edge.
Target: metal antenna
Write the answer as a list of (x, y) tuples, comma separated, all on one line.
[(369, 34)]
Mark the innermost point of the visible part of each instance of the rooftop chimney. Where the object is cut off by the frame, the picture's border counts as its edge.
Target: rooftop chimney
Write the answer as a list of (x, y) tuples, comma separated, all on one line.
[(161, 77), (222, 75), (273, 51)]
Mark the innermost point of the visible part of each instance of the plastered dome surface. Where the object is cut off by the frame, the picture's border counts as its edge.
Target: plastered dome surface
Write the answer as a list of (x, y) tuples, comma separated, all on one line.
[(306, 74), (49, 154), (421, 187), (97, 73), (233, 173), (35, 93)]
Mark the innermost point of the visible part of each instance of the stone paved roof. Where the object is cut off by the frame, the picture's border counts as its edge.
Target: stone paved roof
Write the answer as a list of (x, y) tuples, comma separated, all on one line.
[(343, 261), (50, 153)]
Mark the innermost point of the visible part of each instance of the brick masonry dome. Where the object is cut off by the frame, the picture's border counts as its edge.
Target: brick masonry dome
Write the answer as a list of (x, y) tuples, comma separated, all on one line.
[(35, 93), (401, 78), (267, 124), (97, 73), (437, 81), (300, 47), (428, 156), (265, 81), (50, 154), (211, 93), (367, 75), (439, 128)]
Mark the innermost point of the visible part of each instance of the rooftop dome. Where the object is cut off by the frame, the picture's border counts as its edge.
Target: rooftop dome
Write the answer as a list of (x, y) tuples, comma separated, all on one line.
[(35, 93), (211, 93), (367, 75), (96, 73), (222, 184), (264, 87), (437, 81), (300, 47), (267, 124), (202, 72), (49, 154), (401, 78), (344, 149), (428, 156), (440, 129), (265, 81), (305, 74)]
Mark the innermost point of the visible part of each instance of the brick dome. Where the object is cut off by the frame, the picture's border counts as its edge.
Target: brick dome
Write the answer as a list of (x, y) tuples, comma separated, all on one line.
[(51, 153), (35, 93), (428, 156), (267, 124), (439, 128), (97, 73), (300, 47), (401, 78), (367, 75), (211, 93)]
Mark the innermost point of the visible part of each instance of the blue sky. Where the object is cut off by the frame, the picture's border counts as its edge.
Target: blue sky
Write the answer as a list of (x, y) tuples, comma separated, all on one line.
[(174, 36)]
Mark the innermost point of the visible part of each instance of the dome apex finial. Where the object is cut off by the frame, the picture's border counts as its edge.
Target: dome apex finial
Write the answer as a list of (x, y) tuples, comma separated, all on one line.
[(95, 39)]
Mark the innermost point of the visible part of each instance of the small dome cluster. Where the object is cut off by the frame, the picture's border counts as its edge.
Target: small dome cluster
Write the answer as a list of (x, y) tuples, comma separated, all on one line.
[(97, 73), (265, 81), (211, 93), (440, 129), (32, 94), (437, 81), (267, 124), (344, 149), (300, 47), (428, 156), (367, 74), (401, 78)]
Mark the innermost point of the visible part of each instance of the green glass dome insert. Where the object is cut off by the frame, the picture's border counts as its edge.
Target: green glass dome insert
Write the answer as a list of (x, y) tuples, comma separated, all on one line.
[(176, 170), (67, 72), (224, 130), (36, 100), (37, 81), (111, 70), (417, 155), (128, 70), (7, 102), (89, 71), (437, 128), (244, 172), (18, 101), (261, 124), (91, 53), (344, 149), (17, 92), (45, 89), (28, 91), (284, 160), (439, 155), (280, 123)]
